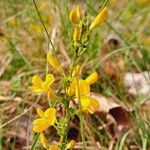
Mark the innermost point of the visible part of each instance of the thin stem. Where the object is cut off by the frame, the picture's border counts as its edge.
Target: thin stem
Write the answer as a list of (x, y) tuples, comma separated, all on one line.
[(105, 3), (54, 51), (63, 138), (81, 118)]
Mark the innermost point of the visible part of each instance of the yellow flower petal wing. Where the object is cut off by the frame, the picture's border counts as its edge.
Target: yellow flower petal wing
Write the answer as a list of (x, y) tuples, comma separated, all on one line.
[(40, 112), (72, 88), (85, 104), (89, 104), (54, 62), (52, 95), (36, 81), (40, 124), (92, 78), (43, 140), (50, 78), (50, 114), (94, 103), (78, 11), (35, 89), (82, 88)]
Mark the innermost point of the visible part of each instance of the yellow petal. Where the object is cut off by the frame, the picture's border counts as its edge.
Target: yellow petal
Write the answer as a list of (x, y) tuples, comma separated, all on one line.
[(73, 17), (85, 103), (72, 88), (54, 147), (75, 34), (92, 78), (40, 124), (94, 103), (78, 11), (50, 115), (36, 81), (100, 18), (46, 86), (39, 129), (50, 77), (82, 88), (71, 144), (43, 140), (76, 71), (52, 95), (54, 62), (40, 112), (70, 92), (35, 89), (89, 104)]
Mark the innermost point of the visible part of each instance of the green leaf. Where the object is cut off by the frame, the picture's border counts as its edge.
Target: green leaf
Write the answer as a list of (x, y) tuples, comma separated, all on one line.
[(35, 141)]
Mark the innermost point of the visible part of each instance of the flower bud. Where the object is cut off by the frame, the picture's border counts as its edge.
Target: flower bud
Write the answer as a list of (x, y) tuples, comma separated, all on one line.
[(100, 18), (73, 17)]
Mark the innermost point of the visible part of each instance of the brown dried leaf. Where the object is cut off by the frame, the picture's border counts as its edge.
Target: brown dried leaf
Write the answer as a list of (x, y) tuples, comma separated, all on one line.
[(111, 106), (137, 83)]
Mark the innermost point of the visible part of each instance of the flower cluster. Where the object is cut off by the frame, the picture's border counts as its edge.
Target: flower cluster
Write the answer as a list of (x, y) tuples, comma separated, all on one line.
[(72, 86), (81, 89)]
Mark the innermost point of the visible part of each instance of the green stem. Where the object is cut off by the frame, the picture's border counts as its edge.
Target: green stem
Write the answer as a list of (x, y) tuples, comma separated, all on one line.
[(81, 117), (42, 22), (105, 3), (63, 138), (82, 130), (73, 63)]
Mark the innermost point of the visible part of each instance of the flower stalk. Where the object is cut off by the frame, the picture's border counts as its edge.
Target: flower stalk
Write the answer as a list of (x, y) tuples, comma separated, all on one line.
[(72, 86)]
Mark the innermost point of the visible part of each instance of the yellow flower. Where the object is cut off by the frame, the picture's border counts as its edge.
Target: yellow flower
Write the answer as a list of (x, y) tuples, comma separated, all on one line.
[(75, 74), (71, 144), (72, 87), (43, 140), (54, 147), (76, 71), (75, 15), (100, 18), (78, 11), (87, 103), (81, 89), (54, 62), (47, 119), (40, 86), (76, 35)]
